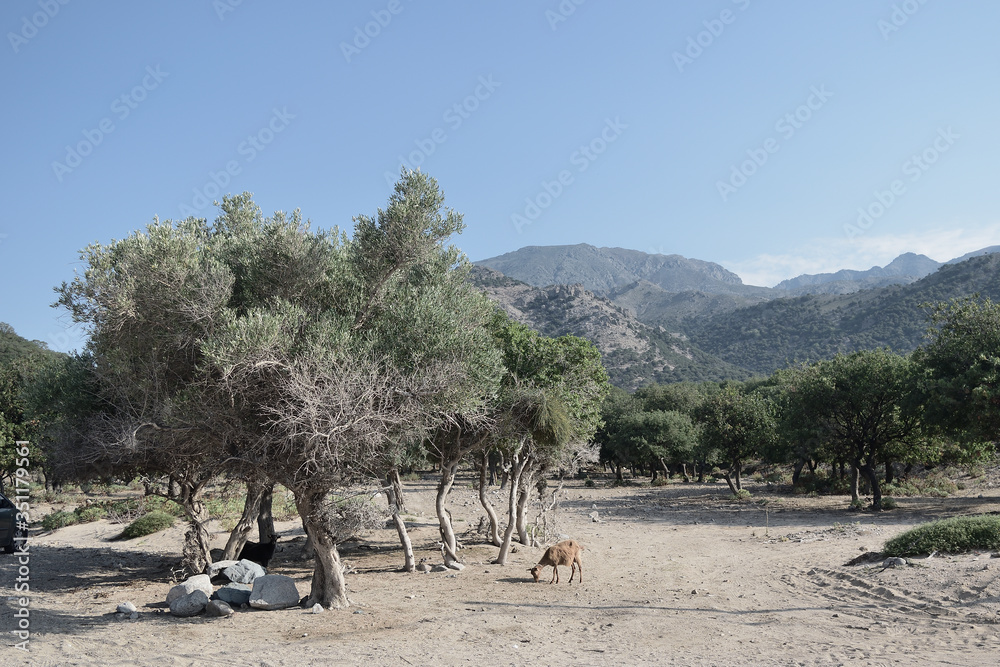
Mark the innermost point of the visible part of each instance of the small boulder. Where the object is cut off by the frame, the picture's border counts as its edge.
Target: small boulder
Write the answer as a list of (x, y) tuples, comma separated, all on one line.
[(126, 608), (218, 608), (439, 568), (423, 567), (274, 591), (191, 604), (234, 594), (317, 608), (216, 568), (456, 566), (244, 572), (894, 562), (199, 582)]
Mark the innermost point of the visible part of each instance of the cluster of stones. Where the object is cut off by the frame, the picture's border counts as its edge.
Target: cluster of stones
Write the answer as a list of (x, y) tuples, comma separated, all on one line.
[(248, 585)]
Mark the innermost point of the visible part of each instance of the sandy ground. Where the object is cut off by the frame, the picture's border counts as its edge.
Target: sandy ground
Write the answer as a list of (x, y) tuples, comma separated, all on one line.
[(675, 575)]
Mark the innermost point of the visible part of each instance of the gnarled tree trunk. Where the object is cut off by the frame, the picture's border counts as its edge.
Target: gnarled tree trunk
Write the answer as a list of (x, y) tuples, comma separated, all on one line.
[(485, 501), (394, 495), (868, 470), (251, 511), (523, 495), (197, 541), (517, 467), (448, 539), (329, 588), (855, 483), (265, 518)]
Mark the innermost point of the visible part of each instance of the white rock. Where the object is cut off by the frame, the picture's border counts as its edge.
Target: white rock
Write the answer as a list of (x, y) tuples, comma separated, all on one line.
[(456, 566), (317, 608), (244, 572), (218, 566), (199, 582), (189, 605), (218, 608), (126, 608), (274, 591)]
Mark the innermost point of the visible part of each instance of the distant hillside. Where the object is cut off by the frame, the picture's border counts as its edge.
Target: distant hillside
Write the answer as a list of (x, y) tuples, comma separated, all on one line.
[(13, 346), (601, 270), (633, 353), (770, 335), (975, 253), (903, 270), (655, 306)]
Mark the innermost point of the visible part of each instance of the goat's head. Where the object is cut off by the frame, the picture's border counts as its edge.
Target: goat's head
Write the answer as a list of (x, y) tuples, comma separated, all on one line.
[(535, 572)]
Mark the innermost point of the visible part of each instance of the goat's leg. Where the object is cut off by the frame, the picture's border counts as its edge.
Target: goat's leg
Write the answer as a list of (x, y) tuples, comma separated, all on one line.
[(555, 574)]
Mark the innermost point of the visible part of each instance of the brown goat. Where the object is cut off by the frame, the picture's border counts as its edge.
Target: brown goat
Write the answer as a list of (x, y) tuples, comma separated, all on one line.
[(566, 552)]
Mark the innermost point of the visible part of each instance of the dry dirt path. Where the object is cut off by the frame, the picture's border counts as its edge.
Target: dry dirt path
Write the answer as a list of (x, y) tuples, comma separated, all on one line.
[(676, 575)]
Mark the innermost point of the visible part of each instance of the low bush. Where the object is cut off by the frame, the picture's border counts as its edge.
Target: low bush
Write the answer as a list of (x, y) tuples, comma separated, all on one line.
[(934, 485), (147, 524), (91, 513), (59, 519), (956, 535)]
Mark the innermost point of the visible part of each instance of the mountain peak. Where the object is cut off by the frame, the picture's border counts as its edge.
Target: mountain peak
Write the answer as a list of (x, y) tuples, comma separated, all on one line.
[(604, 269)]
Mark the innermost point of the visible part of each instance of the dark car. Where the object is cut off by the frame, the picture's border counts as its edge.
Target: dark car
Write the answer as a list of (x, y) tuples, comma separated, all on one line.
[(8, 526)]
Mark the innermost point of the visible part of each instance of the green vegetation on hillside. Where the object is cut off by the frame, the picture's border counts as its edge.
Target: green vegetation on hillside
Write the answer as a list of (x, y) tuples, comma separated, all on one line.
[(772, 335)]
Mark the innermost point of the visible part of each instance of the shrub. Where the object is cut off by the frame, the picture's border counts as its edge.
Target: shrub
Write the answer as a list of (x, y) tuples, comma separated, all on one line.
[(164, 505), (59, 519), (743, 494), (660, 481), (589, 483), (963, 533), (147, 524), (91, 513), (937, 486), (889, 503)]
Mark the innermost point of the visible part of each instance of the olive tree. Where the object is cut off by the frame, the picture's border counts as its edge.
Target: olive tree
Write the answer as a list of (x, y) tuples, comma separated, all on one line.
[(864, 406), (737, 425), (961, 361)]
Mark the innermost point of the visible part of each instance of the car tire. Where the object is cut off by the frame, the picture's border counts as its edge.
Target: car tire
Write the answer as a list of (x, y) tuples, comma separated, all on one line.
[(9, 549)]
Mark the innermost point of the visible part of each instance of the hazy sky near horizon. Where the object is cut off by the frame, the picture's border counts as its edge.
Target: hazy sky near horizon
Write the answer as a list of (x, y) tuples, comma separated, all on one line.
[(775, 138)]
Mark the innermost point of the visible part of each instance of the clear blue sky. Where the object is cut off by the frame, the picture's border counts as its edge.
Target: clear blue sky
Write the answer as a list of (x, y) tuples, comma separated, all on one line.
[(828, 101)]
